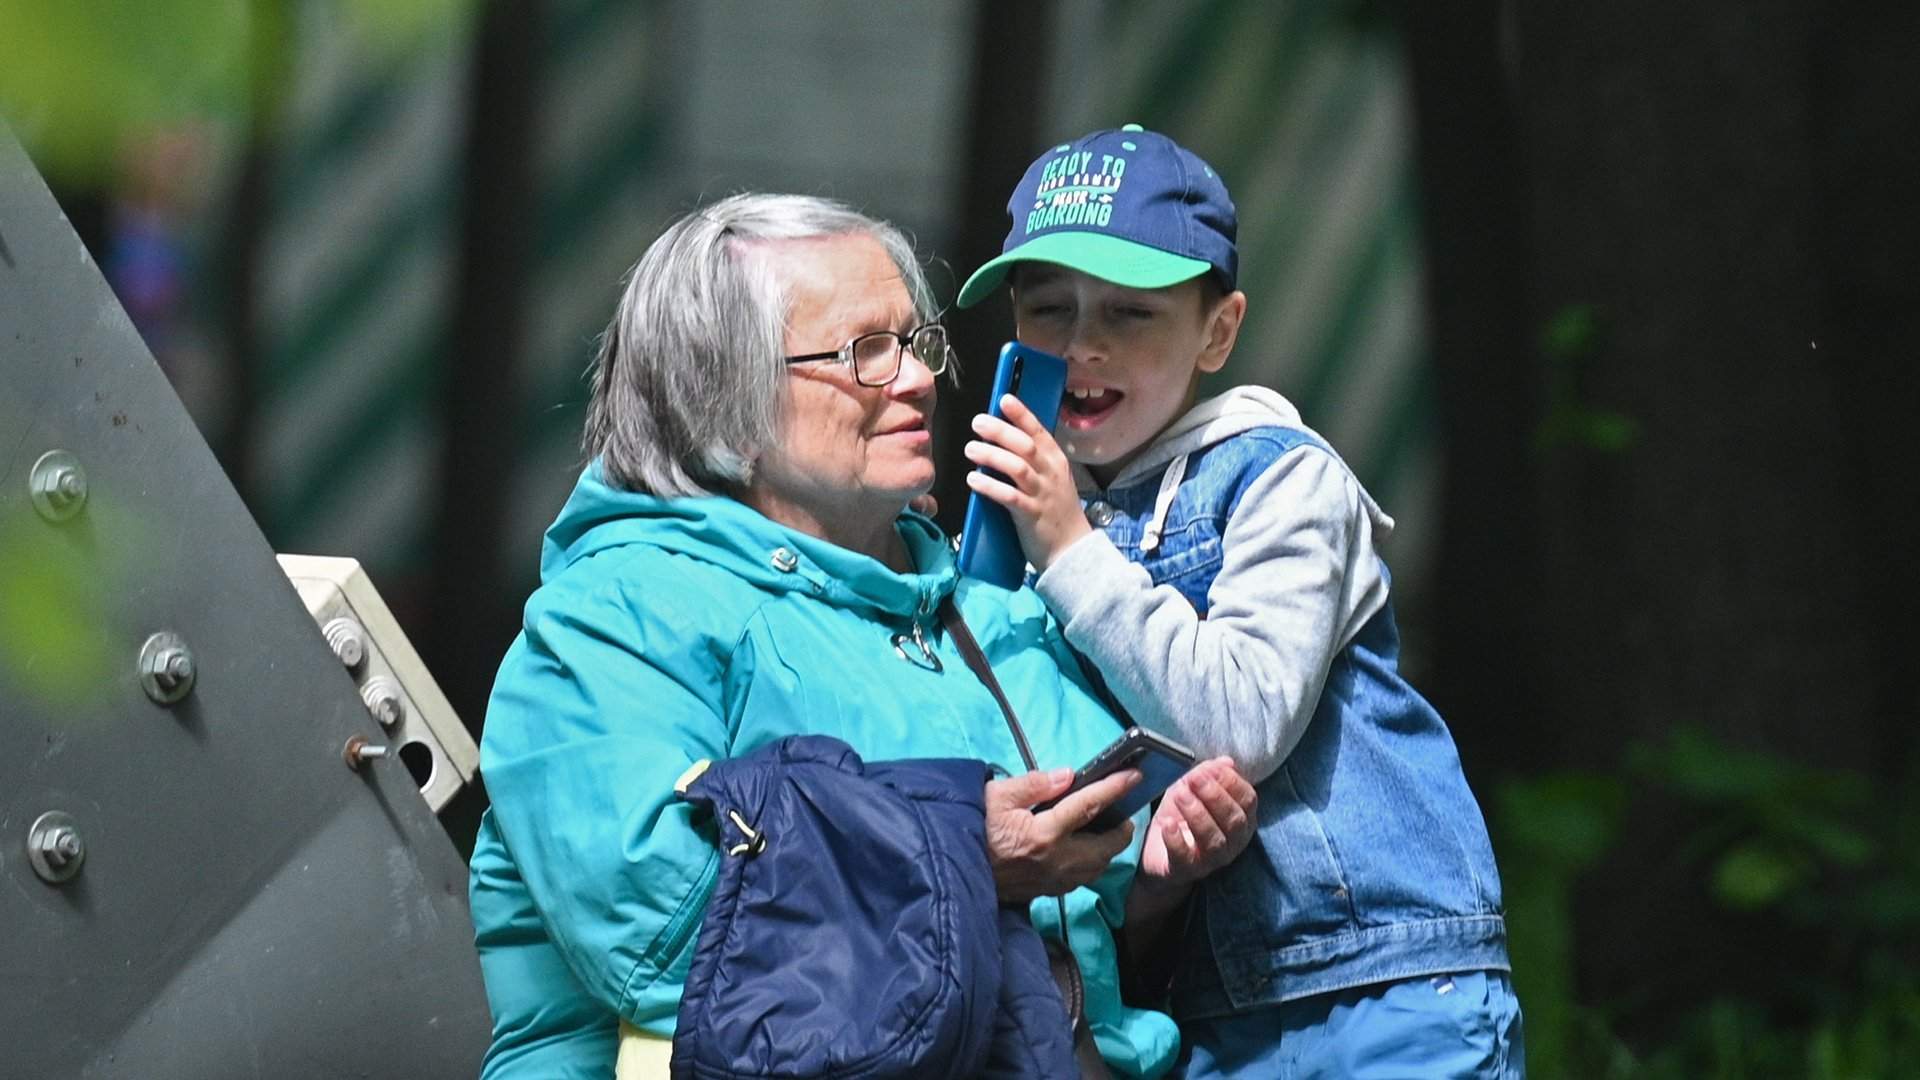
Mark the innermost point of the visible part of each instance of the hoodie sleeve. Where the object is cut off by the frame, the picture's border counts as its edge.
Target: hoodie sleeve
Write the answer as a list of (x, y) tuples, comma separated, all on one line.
[(599, 707), (1299, 577)]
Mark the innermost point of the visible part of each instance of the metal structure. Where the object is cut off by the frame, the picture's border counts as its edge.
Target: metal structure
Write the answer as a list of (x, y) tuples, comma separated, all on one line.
[(393, 680), (208, 865)]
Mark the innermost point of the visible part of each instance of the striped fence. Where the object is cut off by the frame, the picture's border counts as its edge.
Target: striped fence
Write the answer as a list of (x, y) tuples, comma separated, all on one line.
[(1300, 104)]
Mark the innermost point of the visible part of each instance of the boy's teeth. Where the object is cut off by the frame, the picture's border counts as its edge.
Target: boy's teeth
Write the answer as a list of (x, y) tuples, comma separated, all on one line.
[(1091, 402)]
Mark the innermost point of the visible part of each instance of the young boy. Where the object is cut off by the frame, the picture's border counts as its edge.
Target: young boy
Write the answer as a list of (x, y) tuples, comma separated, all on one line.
[(1216, 561)]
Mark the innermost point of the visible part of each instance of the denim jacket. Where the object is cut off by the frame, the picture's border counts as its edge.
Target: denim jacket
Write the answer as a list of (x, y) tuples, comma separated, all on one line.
[(1234, 600)]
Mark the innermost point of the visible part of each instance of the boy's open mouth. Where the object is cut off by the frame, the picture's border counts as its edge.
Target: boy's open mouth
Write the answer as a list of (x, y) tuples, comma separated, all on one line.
[(1089, 405)]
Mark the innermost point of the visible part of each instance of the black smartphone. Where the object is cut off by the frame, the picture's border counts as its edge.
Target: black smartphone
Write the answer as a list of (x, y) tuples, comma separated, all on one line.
[(989, 544), (1160, 760)]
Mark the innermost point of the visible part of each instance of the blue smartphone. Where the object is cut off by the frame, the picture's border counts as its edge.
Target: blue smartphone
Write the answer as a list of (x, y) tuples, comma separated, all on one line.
[(989, 545)]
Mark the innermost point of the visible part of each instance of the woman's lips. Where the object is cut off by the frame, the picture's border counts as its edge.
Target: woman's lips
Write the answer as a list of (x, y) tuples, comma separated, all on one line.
[(915, 429)]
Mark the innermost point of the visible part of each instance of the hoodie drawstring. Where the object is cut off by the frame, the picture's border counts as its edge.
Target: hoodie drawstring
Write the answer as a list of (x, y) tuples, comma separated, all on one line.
[(1169, 484)]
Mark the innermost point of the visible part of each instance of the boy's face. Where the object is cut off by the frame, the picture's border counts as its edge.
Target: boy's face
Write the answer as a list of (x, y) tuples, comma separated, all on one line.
[(1134, 356)]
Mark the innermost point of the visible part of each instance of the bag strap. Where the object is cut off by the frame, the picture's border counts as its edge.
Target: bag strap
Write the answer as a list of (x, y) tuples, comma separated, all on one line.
[(1064, 967), (977, 661)]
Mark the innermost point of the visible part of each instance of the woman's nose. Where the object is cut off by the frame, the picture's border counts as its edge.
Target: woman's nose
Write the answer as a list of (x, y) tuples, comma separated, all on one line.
[(915, 379)]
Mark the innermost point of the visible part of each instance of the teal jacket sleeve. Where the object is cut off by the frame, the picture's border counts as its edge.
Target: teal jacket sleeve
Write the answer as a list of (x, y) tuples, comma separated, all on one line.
[(599, 707)]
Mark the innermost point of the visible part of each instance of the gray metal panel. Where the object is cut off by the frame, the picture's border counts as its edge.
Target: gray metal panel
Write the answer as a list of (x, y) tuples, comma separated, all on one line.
[(247, 905)]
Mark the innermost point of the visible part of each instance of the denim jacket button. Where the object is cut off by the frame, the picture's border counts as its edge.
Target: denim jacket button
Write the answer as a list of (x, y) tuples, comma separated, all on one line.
[(1099, 514)]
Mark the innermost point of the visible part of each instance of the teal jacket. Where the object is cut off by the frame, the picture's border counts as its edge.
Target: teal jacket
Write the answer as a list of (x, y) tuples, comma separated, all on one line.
[(670, 630)]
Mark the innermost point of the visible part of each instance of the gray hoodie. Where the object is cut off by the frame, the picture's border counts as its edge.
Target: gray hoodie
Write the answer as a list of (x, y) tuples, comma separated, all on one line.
[(1299, 578)]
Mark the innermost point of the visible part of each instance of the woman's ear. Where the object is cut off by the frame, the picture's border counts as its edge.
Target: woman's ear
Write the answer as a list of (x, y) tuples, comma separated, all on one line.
[(1222, 330)]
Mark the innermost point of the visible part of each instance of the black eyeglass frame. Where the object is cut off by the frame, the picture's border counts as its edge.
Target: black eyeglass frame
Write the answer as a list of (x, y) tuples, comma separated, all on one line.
[(901, 343)]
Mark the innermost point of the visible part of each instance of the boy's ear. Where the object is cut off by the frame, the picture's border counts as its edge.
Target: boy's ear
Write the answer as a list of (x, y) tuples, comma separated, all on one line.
[(1223, 329)]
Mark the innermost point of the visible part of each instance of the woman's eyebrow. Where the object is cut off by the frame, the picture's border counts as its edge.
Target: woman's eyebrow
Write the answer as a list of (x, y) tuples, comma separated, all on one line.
[(877, 318)]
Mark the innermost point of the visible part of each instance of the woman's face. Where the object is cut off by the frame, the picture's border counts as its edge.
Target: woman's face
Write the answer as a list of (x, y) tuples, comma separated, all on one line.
[(849, 453)]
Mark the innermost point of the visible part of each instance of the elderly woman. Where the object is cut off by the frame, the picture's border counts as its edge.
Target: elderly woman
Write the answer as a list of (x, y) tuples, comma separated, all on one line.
[(737, 565)]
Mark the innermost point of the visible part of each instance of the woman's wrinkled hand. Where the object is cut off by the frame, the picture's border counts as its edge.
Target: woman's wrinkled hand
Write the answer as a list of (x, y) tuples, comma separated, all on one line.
[(1205, 820), (1045, 853)]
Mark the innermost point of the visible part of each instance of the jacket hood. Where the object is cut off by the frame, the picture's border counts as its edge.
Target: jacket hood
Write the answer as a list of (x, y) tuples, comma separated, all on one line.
[(738, 539), (1213, 420)]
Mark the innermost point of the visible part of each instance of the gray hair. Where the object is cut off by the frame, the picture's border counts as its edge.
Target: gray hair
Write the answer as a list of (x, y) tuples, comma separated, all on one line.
[(690, 376)]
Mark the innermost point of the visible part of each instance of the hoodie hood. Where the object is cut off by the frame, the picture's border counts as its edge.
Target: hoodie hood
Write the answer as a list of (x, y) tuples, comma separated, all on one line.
[(738, 539), (1213, 420)]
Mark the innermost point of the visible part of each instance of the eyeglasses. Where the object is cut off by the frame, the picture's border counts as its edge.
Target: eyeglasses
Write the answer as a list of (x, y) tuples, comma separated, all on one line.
[(875, 357)]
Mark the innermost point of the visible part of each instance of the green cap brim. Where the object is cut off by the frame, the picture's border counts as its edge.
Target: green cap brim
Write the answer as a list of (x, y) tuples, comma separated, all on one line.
[(1108, 258)]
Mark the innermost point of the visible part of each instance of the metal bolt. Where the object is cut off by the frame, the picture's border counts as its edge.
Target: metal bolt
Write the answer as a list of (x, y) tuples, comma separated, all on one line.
[(347, 640), (61, 847), (384, 701), (359, 751), (58, 484), (54, 847), (172, 667), (167, 669)]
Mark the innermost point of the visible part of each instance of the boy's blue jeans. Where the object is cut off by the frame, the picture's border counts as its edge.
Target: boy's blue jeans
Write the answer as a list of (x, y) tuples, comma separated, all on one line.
[(1462, 1025)]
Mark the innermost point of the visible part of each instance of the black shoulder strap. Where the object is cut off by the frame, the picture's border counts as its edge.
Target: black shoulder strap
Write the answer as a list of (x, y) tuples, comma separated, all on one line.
[(1060, 959), (977, 661)]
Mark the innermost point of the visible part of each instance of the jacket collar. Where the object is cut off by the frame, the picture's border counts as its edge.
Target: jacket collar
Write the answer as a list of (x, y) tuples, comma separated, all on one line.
[(727, 533)]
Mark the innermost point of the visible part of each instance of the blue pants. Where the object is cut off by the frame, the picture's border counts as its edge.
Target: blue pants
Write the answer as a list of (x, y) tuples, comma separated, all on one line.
[(1462, 1025)]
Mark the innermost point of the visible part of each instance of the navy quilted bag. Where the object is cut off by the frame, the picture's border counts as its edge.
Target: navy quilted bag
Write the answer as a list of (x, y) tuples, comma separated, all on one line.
[(854, 931)]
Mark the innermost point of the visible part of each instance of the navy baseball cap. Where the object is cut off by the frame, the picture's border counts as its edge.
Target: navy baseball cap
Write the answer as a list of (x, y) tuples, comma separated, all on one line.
[(1129, 206)]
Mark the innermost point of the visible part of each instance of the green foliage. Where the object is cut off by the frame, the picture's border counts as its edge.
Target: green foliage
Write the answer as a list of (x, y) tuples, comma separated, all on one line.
[(57, 642), (1573, 333), (1807, 853), (1563, 823), (1875, 1035), (1551, 829), (1570, 341), (78, 78), (74, 77)]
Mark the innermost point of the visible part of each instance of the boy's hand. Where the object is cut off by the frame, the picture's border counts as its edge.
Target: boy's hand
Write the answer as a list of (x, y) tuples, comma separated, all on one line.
[(1205, 820), (1041, 497)]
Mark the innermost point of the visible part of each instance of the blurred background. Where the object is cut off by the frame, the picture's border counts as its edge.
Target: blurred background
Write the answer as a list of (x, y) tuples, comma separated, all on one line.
[(1613, 307)]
